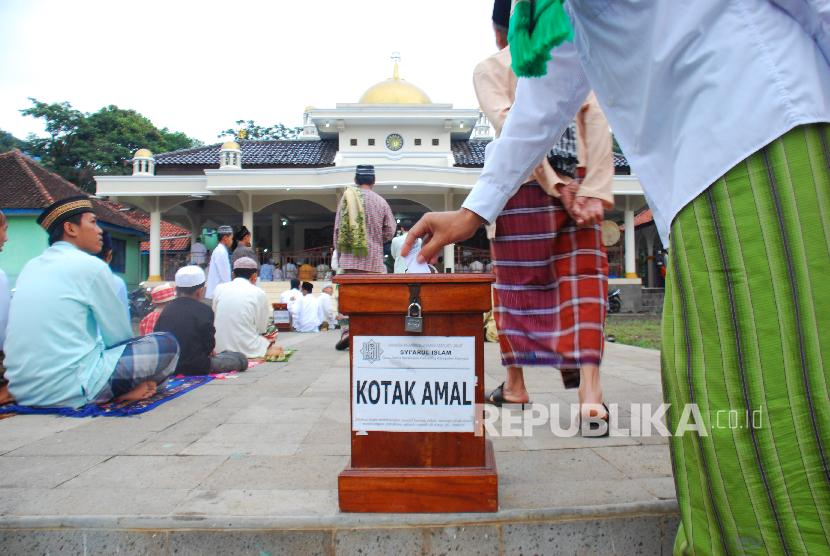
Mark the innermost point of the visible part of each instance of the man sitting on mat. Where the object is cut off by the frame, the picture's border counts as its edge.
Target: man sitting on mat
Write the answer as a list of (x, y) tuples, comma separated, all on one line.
[(69, 339), (191, 322), (241, 313)]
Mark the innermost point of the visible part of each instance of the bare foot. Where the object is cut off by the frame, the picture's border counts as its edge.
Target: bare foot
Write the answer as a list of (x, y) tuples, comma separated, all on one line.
[(5, 395), (140, 392)]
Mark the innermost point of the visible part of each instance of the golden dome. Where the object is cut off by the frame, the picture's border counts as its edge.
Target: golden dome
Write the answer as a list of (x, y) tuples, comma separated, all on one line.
[(230, 146), (143, 153), (394, 91)]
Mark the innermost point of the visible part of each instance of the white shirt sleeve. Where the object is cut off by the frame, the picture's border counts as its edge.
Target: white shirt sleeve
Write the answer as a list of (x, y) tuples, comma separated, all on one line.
[(264, 311), (543, 108), (814, 17)]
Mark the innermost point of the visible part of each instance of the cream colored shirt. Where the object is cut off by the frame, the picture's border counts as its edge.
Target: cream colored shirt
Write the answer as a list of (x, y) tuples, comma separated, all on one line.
[(495, 86), (241, 317)]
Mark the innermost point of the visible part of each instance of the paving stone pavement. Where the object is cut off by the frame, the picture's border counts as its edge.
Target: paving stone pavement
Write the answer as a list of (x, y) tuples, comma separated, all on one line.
[(271, 442)]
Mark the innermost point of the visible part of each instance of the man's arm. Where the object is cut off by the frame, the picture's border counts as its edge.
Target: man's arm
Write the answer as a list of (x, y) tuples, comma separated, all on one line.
[(814, 17), (263, 314), (542, 109), (389, 223), (337, 222), (107, 309), (595, 152), (494, 86)]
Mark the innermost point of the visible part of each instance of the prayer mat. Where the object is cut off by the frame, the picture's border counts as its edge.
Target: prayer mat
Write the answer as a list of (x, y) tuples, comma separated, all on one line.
[(254, 362), (171, 389)]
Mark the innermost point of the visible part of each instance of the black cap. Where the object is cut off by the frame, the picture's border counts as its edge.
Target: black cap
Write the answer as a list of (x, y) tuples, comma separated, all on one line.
[(365, 170), (56, 213), (501, 14)]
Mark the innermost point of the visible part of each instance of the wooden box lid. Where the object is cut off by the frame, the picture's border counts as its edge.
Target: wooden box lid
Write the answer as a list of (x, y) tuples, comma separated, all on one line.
[(389, 293)]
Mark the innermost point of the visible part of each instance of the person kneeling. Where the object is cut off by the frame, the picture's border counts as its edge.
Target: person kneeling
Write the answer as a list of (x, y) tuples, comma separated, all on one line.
[(241, 313), (191, 322), (69, 339)]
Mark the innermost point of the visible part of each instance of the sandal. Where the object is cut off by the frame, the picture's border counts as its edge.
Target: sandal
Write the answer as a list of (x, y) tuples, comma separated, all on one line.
[(593, 426), (496, 398)]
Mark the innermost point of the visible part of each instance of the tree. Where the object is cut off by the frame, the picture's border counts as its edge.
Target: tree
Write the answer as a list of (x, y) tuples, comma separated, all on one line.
[(247, 129), (9, 142), (81, 145)]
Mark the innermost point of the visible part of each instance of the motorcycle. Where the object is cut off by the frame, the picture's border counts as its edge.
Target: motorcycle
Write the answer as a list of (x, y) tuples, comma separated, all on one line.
[(139, 301), (614, 301)]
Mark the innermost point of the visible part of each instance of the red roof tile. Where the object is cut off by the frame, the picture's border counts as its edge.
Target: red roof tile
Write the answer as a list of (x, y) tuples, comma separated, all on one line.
[(178, 237), (25, 184)]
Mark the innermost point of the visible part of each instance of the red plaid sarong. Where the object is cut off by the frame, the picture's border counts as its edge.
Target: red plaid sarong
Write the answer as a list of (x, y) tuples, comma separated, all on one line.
[(551, 285), (148, 323)]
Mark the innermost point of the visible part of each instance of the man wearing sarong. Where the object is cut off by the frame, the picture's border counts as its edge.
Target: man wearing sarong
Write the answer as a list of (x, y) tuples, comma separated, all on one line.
[(69, 340), (551, 273), (190, 320), (722, 108), (362, 224)]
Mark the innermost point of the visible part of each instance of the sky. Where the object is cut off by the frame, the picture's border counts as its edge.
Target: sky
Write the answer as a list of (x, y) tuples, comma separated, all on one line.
[(198, 66)]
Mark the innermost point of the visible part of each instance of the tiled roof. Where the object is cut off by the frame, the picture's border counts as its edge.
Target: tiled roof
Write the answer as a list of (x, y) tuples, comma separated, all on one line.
[(470, 154), (25, 184), (257, 154), (178, 237), (640, 219)]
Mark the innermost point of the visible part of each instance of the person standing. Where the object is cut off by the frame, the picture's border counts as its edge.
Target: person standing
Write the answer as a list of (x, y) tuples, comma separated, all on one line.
[(290, 271), (266, 271), (397, 243), (219, 271), (242, 245), (745, 323), (564, 279), (362, 224), (190, 320), (69, 341), (198, 253)]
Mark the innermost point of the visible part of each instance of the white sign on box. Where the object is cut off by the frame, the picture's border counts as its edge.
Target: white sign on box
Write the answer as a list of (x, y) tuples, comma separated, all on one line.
[(413, 383)]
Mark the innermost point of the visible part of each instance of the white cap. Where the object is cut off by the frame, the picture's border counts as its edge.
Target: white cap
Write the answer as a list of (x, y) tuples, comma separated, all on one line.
[(189, 276), (245, 262)]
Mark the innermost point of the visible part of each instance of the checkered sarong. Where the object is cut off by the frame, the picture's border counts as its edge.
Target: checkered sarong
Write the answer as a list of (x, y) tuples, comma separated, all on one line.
[(152, 357), (551, 286)]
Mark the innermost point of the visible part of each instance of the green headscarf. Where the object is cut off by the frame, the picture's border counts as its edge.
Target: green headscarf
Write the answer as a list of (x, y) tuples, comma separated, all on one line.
[(536, 26)]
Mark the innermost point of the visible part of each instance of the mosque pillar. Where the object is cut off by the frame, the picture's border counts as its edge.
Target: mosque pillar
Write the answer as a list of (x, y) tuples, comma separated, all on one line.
[(449, 250), (248, 222), (155, 244), (630, 246), (276, 222)]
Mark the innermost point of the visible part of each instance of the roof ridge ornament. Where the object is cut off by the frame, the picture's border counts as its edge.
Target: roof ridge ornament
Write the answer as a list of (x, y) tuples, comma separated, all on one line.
[(396, 57)]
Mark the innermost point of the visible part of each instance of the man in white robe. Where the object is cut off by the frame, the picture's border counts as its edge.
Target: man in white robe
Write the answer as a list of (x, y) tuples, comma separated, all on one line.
[(219, 271), (241, 313)]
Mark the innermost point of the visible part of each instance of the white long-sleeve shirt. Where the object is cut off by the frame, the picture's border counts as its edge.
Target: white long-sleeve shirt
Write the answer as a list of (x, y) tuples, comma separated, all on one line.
[(690, 89), (307, 311), (241, 313), (219, 271)]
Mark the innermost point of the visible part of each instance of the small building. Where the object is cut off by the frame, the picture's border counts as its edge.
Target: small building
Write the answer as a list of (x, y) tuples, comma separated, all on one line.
[(26, 188)]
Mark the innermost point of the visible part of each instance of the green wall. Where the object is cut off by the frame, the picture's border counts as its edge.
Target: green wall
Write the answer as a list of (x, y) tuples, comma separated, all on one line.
[(27, 240)]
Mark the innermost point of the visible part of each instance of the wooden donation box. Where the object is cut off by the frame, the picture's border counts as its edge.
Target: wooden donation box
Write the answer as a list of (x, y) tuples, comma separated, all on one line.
[(417, 385), (282, 317)]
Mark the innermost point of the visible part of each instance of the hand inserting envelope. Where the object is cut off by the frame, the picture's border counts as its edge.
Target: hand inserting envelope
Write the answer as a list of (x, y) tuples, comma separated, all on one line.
[(412, 264)]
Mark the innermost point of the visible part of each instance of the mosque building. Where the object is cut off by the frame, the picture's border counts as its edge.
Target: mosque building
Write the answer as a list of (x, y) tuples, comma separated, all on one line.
[(427, 157)]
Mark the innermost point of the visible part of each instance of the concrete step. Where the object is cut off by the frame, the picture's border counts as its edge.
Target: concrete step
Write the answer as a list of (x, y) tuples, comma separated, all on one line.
[(644, 528)]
